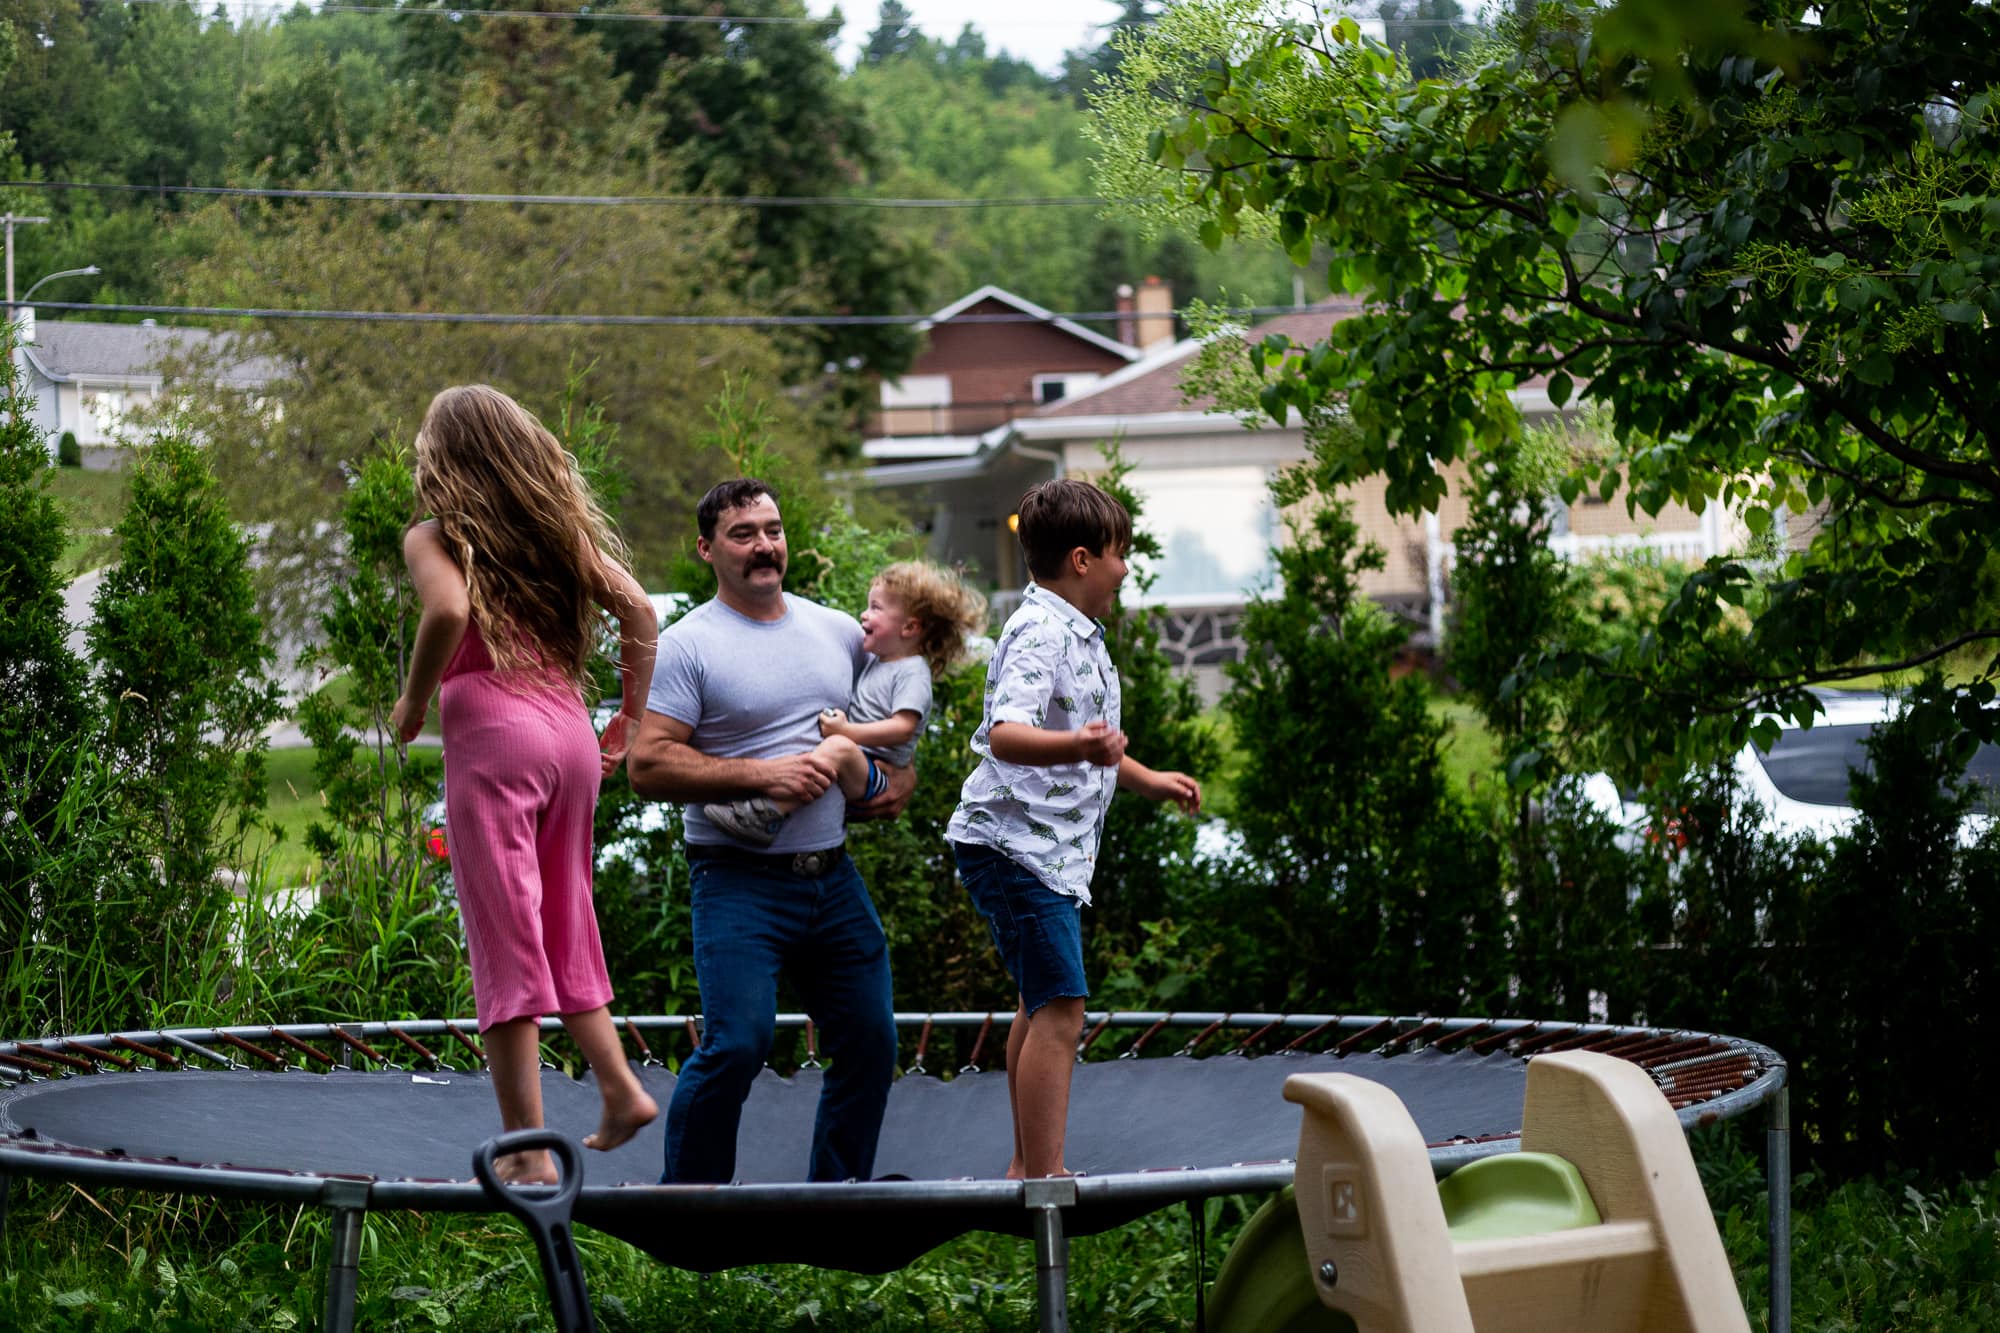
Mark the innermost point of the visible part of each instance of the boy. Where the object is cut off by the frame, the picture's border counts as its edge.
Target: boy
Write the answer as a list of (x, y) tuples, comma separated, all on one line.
[(1029, 818)]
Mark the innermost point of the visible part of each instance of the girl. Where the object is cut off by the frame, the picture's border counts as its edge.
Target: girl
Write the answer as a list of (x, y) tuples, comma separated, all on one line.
[(915, 626), (508, 569)]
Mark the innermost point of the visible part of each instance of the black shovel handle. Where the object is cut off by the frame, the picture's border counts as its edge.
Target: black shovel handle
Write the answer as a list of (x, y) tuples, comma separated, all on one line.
[(545, 1210)]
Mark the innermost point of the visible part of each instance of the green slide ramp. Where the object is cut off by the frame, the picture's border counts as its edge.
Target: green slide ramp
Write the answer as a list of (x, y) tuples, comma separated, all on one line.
[(1265, 1287)]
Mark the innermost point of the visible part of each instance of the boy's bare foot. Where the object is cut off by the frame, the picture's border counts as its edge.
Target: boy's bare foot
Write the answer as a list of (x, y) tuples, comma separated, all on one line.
[(527, 1168), (1015, 1171), (623, 1117)]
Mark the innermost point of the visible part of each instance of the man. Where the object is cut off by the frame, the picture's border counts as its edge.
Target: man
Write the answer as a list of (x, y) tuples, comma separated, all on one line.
[(737, 691)]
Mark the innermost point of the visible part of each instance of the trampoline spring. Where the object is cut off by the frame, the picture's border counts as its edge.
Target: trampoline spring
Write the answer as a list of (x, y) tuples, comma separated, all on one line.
[(1676, 1051), (1092, 1035), (1536, 1044), (812, 1047), (1399, 1043), (355, 1043), (1343, 1047), (252, 1049), (1297, 1042), (639, 1039), (978, 1046), (1722, 1080), (1203, 1035), (31, 1065), (93, 1053), (694, 1031), (1487, 1045), (1243, 1047), (465, 1041), (923, 1044), (1463, 1034), (151, 1052), (309, 1051), (1132, 1051), (199, 1049), (1618, 1045), (437, 1062), (70, 1061), (1713, 1058)]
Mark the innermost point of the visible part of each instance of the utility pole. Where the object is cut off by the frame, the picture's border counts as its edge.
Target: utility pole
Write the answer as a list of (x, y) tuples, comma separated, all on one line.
[(8, 221)]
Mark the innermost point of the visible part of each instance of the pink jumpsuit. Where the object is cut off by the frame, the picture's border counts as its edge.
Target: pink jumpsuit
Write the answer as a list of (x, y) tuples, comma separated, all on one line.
[(520, 791)]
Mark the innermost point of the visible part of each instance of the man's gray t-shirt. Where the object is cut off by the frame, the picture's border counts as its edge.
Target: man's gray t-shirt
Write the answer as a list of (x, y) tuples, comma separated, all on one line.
[(753, 689), (886, 689)]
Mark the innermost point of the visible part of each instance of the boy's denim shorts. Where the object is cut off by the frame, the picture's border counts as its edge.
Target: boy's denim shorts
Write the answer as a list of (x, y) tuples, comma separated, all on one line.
[(1038, 931)]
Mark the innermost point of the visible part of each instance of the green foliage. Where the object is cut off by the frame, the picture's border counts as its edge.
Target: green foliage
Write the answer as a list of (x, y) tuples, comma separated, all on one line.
[(1771, 262), (1383, 888), (183, 667), (1148, 847), (375, 792), (68, 452)]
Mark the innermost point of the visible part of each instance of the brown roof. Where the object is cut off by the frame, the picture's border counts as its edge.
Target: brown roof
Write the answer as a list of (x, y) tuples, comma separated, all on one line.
[(1154, 386)]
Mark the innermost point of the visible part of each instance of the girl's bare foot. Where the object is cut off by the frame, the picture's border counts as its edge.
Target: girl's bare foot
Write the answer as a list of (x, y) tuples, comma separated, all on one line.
[(527, 1168), (624, 1116)]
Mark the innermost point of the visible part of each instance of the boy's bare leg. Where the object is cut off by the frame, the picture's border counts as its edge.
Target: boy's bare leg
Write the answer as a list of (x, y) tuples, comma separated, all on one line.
[(513, 1053), (1017, 1037), (627, 1106), (1041, 1090)]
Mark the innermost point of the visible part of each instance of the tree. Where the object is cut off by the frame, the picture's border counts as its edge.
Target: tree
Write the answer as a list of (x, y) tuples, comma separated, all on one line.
[(1428, 33), (1772, 259), (894, 34), (530, 109), (183, 667)]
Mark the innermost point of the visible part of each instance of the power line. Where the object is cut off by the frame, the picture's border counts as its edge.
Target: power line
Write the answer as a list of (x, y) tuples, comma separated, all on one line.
[(590, 200), (585, 14), (632, 321)]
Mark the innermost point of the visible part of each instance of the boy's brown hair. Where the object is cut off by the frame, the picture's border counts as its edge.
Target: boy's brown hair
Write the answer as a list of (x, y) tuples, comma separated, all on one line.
[(1058, 516)]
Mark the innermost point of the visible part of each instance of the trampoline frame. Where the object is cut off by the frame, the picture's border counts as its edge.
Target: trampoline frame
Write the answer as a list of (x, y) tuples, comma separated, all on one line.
[(1706, 1077)]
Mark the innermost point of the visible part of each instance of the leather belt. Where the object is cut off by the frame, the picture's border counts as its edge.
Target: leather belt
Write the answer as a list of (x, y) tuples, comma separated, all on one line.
[(806, 865)]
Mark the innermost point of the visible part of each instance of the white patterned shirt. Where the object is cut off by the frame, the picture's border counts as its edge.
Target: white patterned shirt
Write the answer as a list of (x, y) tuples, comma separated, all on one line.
[(1049, 670)]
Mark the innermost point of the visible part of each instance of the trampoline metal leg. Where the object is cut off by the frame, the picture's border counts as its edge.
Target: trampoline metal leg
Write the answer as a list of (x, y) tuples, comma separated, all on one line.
[(343, 1269), (1046, 1199), (6, 1188), (1778, 1181)]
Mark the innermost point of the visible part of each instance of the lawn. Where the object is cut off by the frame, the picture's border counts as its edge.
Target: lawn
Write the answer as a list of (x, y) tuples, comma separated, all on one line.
[(93, 501)]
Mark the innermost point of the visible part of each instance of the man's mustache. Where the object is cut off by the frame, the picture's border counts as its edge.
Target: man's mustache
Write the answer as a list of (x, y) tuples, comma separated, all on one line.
[(766, 562)]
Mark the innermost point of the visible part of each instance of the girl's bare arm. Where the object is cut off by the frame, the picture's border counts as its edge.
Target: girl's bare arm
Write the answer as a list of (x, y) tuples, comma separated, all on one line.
[(447, 611)]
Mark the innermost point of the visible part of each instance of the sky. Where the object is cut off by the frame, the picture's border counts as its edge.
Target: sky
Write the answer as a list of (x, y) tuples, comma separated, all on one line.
[(1037, 31)]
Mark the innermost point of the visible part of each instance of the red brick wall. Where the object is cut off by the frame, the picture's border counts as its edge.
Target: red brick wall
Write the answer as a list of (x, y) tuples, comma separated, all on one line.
[(991, 364)]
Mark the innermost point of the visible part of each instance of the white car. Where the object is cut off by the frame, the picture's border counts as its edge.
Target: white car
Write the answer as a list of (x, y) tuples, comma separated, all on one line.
[(1801, 782)]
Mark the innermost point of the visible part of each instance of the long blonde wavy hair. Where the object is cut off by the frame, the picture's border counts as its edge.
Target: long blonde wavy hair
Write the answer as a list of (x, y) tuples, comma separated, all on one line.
[(520, 522)]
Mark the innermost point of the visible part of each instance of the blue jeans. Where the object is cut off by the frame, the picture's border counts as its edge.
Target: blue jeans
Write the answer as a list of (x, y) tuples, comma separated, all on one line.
[(1038, 932), (752, 918)]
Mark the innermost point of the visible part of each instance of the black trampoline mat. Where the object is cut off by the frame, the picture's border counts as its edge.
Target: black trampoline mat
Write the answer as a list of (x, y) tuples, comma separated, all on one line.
[(1125, 1116)]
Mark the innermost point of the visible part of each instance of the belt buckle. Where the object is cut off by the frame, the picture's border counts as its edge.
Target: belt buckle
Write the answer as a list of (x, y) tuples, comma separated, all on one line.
[(811, 865)]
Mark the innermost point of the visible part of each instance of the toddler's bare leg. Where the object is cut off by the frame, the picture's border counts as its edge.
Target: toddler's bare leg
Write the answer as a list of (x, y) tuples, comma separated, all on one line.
[(850, 762), (628, 1108), (513, 1052)]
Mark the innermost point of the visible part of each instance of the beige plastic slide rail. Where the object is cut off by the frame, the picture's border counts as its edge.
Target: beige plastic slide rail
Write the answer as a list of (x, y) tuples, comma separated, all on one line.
[(1376, 1236)]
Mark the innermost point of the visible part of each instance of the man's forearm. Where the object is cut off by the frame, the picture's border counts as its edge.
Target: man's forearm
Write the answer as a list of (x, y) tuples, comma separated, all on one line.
[(674, 771)]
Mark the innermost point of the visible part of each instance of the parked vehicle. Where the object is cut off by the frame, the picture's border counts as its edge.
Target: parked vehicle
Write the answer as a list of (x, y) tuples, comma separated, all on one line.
[(1801, 782)]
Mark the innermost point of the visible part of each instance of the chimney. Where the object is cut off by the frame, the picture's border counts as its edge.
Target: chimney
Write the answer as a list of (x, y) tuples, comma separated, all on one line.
[(1155, 313), (1128, 327)]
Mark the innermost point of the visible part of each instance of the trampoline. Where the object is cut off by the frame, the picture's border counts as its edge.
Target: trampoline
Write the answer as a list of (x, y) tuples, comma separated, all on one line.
[(1188, 1106)]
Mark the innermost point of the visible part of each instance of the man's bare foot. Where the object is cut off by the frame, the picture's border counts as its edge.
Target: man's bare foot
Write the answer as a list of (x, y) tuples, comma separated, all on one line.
[(623, 1117), (527, 1168)]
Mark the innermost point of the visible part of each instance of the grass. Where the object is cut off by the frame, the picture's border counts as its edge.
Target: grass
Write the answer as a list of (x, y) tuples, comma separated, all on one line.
[(93, 501), (293, 802), (1894, 1252)]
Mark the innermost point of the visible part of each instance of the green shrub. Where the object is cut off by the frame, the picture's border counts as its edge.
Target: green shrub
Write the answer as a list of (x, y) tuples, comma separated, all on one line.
[(1381, 891), (68, 452)]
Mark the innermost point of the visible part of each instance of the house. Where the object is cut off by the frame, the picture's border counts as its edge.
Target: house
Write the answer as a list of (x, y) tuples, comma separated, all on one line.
[(91, 379), (990, 357), (1203, 478)]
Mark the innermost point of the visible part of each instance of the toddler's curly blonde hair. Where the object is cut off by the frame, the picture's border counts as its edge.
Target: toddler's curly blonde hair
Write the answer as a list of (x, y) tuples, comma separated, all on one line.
[(939, 600)]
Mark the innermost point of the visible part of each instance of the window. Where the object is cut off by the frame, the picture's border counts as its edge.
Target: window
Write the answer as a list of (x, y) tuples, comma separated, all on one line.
[(1055, 388), (917, 391), (1216, 527), (104, 408)]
